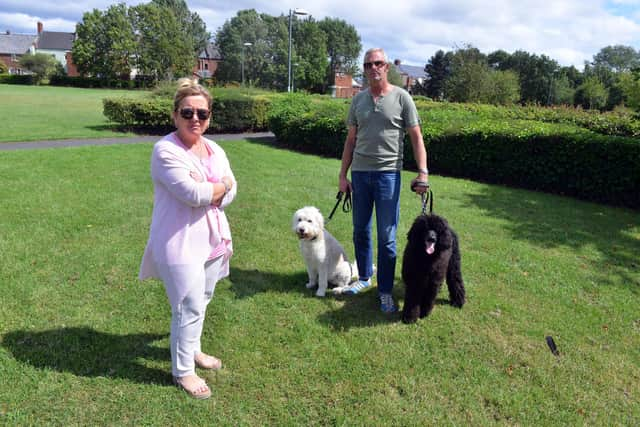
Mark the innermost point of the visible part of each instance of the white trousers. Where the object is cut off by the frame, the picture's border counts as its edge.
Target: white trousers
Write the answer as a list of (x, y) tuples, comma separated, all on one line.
[(187, 319)]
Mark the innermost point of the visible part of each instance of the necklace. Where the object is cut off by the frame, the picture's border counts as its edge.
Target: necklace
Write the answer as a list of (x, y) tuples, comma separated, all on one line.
[(202, 153)]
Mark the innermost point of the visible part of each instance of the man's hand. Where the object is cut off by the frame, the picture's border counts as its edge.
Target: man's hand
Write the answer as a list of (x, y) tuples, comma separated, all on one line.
[(420, 184)]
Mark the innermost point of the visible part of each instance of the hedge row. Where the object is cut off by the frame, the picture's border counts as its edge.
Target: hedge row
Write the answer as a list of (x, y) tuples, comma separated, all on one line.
[(618, 123), (17, 79), (557, 158), (229, 113), (139, 82)]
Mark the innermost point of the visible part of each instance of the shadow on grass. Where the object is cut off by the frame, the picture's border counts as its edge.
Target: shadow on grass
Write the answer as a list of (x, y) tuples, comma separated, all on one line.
[(357, 311), (89, 353), (550, 221)]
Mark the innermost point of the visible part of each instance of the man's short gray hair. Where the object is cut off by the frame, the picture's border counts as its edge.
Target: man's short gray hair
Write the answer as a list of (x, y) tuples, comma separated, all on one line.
[(376, 49)]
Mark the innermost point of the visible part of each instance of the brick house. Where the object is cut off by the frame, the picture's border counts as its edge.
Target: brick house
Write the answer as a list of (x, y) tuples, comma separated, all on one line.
[(58, 44), (12, 47), (344, 86), (410, 74), (208, 61)]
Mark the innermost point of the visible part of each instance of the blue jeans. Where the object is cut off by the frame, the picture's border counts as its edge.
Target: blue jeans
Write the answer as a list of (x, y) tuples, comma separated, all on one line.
[(382, 191)]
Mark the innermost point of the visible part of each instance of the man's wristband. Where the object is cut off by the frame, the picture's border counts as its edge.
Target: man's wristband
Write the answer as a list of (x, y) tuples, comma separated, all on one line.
[(424, 171)]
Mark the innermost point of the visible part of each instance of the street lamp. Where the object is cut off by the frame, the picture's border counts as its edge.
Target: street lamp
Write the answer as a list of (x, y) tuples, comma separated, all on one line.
[(291, 13), (243, 46)]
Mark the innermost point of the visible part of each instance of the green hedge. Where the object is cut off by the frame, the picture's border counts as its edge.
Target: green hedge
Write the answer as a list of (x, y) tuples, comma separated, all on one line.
[(230, 113), (555, 156), (17, 79)]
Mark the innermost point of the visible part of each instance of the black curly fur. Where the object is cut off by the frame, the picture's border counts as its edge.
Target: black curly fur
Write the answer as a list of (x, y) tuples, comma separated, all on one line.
[(424, 273)]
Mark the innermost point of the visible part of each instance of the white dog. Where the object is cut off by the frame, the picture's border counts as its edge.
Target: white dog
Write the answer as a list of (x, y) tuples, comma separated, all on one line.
[(324, 256)]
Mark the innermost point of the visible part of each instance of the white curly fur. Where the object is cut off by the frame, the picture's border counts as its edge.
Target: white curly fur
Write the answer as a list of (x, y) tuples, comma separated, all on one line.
[(323, 255)]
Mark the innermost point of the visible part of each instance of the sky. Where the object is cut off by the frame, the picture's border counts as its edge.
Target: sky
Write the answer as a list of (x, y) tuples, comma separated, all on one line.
[(568, 31)]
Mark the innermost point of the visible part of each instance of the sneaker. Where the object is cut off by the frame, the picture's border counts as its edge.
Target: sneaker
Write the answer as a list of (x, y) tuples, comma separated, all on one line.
[(386, 303), (357, 287)]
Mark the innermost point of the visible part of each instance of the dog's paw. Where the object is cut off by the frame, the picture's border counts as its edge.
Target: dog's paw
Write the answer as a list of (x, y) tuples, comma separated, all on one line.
[(310, 285), (320, 292)]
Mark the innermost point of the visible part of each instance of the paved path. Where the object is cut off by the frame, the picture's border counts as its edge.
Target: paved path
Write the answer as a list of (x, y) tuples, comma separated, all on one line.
[(126, 140)]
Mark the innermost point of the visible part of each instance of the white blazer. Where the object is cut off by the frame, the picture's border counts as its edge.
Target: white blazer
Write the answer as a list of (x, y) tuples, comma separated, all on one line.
[(180, 239)]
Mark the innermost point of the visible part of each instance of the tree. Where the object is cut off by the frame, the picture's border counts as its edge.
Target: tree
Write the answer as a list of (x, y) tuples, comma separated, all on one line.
[(630, 84), (617, 58), (468, 75), (502, 88), (437, 71), (3, 68), (343, 47), (191, 23), (309, 55), (164, 49), (592, 94), (42, 65), (105, 44), (266, 60)]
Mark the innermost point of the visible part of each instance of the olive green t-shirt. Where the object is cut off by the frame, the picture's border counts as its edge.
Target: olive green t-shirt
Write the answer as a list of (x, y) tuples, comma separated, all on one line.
[(381, 128)]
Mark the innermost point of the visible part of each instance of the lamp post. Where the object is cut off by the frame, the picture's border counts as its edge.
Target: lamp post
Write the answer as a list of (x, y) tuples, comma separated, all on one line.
[(243, 46), (291, 13)]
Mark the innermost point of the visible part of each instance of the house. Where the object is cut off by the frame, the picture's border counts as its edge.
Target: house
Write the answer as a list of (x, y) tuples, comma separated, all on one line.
[(344, 86), (58, 44), (12, 47), (410, 74), (208, 61)]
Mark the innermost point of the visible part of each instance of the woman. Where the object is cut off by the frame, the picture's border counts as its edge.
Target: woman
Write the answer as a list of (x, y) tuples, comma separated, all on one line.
[(190, 241)]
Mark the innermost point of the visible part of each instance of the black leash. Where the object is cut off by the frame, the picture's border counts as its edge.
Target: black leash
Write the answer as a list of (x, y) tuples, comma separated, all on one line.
[(427, 196), (346, 205)]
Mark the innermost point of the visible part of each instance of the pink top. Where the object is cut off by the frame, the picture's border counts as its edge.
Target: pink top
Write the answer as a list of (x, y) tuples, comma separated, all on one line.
[(186, 229)]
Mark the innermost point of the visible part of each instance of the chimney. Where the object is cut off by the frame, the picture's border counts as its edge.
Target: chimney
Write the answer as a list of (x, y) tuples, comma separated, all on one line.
[(40, 26)]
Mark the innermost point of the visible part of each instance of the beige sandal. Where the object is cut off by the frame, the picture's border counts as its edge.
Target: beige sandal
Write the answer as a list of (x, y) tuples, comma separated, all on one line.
[(205, 361), (200, 391)]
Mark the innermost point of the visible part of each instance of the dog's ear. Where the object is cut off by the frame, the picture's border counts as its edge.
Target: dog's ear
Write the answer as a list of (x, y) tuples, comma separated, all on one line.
[(445, 238), (417, 231), (319, 219)]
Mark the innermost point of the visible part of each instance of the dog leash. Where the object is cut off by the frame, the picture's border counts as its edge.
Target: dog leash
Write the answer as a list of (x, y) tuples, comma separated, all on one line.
[(427, 196), (346, 205)]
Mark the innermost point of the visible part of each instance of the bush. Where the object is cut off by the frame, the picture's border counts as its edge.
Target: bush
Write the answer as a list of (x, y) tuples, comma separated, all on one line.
[(17, 79), (230, 112), (539, 149)]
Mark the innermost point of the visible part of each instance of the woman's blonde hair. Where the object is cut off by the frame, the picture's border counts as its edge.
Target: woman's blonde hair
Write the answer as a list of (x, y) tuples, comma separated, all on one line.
[(190, 87)]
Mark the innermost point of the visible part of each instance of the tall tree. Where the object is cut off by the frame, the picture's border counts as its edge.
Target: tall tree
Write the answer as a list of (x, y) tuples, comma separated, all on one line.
[(164, 50), (591, 94), (105, 43), (343, 46), (437, 71), (468, 75), (630, 84), (190, 22), (617, 58), (310, 48)]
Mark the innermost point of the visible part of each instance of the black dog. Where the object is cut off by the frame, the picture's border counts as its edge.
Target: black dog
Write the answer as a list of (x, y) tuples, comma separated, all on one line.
[(432, 254)]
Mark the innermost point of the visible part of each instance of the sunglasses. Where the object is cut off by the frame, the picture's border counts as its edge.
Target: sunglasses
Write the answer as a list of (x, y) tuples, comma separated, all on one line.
[(378, 64), (187, 113)]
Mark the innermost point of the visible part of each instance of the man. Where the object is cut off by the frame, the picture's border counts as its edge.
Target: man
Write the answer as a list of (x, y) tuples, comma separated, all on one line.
[(378, 119)]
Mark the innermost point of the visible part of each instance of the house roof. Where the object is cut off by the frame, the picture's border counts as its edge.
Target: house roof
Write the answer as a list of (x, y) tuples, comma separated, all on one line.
[(17, 44), (56, 40), (211, 51), (412, 71)]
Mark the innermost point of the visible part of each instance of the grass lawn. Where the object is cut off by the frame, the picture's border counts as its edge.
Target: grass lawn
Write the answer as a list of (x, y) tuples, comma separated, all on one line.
[(82, 342), (33, 113)]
